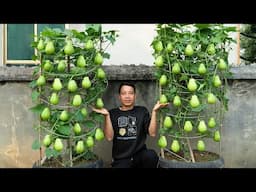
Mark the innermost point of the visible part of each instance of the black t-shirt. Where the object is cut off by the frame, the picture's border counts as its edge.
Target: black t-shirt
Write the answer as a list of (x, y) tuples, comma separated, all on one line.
[(130, 131)]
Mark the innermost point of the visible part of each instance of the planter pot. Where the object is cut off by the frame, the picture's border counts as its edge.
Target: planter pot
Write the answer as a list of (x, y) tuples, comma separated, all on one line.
[(213, 163), (98, 163)]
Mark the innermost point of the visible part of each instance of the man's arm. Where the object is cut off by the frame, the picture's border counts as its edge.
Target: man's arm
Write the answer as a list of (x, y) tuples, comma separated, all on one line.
[(152, 130), (108, 128)]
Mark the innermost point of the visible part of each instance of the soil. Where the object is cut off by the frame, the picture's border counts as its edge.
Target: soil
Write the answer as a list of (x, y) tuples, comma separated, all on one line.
[(200, 156), (56, 162)]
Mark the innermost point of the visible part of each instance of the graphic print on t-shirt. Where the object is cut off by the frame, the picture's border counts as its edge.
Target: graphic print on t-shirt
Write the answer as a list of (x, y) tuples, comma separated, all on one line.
[(127, 128)]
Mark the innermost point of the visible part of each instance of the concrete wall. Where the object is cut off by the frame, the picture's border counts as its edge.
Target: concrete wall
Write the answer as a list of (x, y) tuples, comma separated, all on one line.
[(16, 121), (16, 126)]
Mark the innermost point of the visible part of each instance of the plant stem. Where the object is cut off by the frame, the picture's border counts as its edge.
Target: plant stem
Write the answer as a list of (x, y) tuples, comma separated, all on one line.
[(190, 151), (176, 155)]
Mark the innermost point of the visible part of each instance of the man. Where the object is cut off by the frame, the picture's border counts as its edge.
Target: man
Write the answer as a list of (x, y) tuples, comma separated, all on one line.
[(128, 127)]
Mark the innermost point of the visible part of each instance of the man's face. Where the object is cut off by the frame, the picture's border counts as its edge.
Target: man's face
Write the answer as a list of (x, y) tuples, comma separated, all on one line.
[(127, 95)]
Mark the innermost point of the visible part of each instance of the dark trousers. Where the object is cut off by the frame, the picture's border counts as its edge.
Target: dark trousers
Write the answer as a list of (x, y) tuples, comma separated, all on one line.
[(146, 158)]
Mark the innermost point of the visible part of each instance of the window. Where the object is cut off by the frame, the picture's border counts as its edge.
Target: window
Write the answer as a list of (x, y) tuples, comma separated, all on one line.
[(17, 41)]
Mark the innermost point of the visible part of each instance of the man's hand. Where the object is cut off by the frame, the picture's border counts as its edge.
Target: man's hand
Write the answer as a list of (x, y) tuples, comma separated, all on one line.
[(159, 105), (102, 111)]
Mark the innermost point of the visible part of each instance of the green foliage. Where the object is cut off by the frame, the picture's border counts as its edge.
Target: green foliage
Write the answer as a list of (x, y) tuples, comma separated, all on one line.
[(248, 43), (201, 51), (68, 56)]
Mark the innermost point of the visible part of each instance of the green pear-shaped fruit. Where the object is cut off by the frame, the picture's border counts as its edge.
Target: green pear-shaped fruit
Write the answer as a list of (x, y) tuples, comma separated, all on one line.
[(216, 81), (100, 74), (80, 147), (84, 111), (168, 122), (88, 44), (41, 80), (192, 86), (176, 68), (163, 80), (98, 59), (188, 127), (77, 129), (159, 62), (47, 65), (99, 103), (86, 83), (212, 122), (201, 69), (189, 51), (194, 101), (77, 100), (54, 99), (57, 85), (211, 98), (40, 45), (49, 48), (175, 146), (169, 47), (58, 145), (80, 62), (211, 49), (99, 134), (222, 64), (158, 46), (47, 140), (200, 145), (177, 101), (46, 113), (163, 99), (72, 85), (202, 127), (162, 142), (64, 116), (89, 141), (61, 66), (69, 49), (216, 136)]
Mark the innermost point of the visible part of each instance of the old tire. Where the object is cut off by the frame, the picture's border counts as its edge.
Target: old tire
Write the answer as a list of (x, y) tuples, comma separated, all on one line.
[(92, 164), (218, 163)]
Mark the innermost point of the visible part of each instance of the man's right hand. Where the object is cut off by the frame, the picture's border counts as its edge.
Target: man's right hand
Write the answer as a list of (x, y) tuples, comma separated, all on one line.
[(102, 111)]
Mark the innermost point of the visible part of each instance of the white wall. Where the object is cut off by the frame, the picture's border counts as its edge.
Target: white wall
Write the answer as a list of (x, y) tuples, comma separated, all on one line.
[(133, 44)]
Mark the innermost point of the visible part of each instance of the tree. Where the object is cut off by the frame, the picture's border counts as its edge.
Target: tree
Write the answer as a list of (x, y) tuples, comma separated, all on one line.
[(68, 79), (248, 43), (191, 68)]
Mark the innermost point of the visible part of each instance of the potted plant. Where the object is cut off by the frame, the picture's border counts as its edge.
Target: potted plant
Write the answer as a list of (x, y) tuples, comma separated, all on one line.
[(191, 68), (68, 79)]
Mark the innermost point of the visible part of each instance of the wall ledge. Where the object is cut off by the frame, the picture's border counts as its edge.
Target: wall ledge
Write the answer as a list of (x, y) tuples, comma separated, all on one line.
[(119, 72)]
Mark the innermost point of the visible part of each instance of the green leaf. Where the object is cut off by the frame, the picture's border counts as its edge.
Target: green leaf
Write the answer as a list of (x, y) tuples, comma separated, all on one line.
[(35, 95), (230, 29), (51, 153), (64, 129), (32, 84), (97, 117), (38, 108), (93, 29), (89, 124), (96, 27), (199, 108), (106, 55), (202, 26), (78, 117), (36, 145)]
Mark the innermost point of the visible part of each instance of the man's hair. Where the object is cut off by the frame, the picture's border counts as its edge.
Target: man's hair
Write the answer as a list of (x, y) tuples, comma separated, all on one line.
[(128, 84)]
